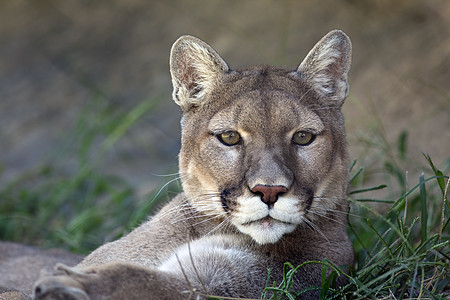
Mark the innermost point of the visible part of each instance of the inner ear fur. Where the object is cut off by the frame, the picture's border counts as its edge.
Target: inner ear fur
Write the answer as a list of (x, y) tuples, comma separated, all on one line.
[(326, 66), (196, 68)]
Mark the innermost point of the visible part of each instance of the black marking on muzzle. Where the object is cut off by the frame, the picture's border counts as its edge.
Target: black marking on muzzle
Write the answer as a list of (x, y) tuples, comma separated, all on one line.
[(225, 197), (309, 197)]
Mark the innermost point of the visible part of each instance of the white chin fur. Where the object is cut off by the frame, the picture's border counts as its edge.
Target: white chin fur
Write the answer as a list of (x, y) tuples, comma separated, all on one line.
[(264, 225), (266, 231)]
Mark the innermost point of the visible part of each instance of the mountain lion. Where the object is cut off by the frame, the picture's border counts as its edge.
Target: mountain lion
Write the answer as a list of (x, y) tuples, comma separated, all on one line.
[(264, 170)]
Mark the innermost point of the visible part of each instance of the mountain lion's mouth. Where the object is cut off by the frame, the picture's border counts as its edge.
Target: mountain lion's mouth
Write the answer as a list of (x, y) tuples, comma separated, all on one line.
[(266, 222), (267, 229)]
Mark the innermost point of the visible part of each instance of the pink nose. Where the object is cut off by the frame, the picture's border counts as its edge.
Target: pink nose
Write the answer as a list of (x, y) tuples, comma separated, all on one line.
[(269, 192)]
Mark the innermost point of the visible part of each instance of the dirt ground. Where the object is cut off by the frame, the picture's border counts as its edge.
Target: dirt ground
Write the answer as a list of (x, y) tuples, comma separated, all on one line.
[(55, 56)]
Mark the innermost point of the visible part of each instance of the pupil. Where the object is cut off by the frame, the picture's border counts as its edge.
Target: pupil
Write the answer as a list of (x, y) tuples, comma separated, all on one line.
[(230, 137)]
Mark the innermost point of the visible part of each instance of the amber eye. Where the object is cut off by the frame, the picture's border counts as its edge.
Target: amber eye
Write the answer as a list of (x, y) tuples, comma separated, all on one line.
[(229, 138), (303, 138)]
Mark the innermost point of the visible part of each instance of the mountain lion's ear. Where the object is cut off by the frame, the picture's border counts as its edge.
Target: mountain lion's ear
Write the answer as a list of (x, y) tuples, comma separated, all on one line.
[(195, 68), (327, 64)]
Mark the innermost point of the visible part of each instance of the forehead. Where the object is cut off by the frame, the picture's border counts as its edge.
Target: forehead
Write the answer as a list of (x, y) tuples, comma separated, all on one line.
[(266, 110)]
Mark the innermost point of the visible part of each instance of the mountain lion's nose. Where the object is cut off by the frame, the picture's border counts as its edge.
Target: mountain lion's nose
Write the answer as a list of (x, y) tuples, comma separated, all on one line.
[(269, 193)]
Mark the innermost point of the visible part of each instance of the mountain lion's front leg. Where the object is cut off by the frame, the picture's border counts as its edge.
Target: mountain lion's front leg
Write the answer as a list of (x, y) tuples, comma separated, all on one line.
[(111, 281), (208, 266)]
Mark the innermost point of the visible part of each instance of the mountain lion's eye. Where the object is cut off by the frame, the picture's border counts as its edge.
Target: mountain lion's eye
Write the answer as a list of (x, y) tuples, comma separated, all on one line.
[(303, 138), (229, 138)]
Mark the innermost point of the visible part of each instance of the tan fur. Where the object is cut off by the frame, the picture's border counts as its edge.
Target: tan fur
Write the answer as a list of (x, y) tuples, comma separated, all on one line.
[(246, 207)]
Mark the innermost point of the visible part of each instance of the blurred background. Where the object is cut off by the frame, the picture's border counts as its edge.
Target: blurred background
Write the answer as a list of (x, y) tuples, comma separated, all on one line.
[(85, 89)]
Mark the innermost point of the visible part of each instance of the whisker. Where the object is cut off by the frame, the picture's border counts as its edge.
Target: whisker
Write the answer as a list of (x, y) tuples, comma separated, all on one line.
[(168, 175), (209, 219), (314, 227), (304, 95), (327, 198), (164, 186), (200, 215), (225, 222), (336, 211), (186, 206), (176, 209), (204, 207), (326, 217)]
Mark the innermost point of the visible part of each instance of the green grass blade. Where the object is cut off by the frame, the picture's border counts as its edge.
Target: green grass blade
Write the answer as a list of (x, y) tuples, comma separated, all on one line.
[(127, 122), (439, 175), (326, 285), (423, 206), (374, 188), (375, 200), (401, 201), (352, 165), (354, 176), (403, 144)]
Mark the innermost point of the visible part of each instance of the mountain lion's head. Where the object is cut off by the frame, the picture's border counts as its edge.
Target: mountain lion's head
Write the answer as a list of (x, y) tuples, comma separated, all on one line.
[(263, 148)]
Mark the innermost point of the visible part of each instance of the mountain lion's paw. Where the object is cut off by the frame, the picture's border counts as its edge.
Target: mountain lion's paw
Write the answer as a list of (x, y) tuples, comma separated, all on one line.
[(63, 283)]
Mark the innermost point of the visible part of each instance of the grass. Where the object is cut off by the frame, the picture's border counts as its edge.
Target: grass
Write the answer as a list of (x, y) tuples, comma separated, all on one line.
[(400, 254), (67, 201), (401, 242)]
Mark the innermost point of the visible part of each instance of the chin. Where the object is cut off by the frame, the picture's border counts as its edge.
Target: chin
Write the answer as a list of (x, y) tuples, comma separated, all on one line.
[(267, 230)]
